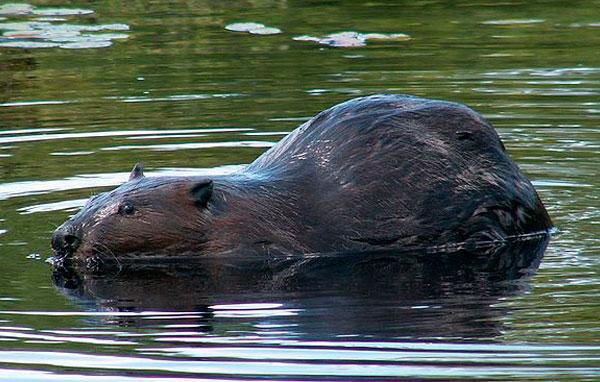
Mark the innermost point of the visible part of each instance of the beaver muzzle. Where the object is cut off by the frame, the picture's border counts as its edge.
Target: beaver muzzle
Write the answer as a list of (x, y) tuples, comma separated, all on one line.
[(65, 240)]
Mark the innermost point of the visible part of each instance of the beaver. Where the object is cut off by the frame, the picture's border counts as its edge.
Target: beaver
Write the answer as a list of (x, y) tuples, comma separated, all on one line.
[(377, 172)]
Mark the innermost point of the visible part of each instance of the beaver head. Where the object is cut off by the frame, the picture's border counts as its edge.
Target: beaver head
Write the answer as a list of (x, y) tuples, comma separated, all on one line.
[(144, 216)]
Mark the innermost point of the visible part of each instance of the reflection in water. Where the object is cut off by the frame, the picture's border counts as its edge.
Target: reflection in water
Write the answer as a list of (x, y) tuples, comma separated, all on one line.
[(412, 294), (331, 316)]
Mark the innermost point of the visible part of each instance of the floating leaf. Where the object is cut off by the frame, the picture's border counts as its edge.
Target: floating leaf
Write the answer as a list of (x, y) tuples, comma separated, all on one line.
[(91, 38), (344, 39), (111, 36), (24, 25), (243, 27), (513, 22), (265, 31), (61, 12), (351, 39), (86, 45), (15, 9), (27, 44), (41, 34), (50, 19), (392, 36), (45, 32), (306, 38), (252, 28), (107, 27)]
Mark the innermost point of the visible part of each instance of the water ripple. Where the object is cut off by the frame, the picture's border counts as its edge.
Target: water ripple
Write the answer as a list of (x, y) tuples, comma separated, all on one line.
[(18, 189), (294, 363), (104, 134), (192, 146)]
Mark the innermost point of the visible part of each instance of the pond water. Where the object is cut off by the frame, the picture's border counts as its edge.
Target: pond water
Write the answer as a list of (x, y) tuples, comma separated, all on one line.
[(184, 95)]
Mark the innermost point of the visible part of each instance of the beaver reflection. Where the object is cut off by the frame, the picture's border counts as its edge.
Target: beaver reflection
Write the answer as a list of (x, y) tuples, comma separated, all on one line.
[(366, 293)]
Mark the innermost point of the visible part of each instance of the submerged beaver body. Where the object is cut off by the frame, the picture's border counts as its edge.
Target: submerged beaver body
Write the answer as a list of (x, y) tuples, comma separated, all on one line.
[(378, 172)]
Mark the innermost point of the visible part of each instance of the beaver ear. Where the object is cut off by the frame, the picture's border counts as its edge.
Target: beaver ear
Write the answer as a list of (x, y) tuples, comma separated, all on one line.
[(202, 192), (137, 172)]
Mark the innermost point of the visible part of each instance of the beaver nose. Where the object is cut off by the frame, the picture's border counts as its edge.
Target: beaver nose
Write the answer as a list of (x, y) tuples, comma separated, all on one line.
[(65, 239)]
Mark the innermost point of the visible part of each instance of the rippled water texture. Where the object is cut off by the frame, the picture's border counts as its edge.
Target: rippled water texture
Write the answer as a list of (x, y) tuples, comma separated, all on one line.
[(186, 93)]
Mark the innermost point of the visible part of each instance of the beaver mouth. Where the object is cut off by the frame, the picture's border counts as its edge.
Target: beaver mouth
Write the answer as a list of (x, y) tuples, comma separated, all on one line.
[(94, 259), (61, 259)]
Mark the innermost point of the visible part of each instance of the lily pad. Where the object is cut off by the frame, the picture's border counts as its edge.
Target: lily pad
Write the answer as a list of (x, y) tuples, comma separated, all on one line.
[(50, 19), (306, 38), (513, 22), (110, 36), (243, 27), (23, 44), (15, 9), (61, 12), (383, 36), (107, 27), (88, 38), (24, 25), (252, 28), (265, 31), (344, 40), (40, 34), (351, 39), (50, 31), (86, 45)]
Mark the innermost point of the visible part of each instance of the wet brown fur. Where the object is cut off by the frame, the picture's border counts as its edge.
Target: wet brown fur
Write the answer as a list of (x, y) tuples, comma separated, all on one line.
[(375, 172)]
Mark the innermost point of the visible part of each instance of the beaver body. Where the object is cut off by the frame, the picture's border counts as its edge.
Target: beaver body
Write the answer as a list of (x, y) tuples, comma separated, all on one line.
[(379, 172)]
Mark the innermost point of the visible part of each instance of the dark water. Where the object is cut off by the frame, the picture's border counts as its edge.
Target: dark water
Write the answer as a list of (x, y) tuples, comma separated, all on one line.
[(183, 95)]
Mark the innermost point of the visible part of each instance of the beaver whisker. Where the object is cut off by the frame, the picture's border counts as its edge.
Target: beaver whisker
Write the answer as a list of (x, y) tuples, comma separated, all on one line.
[(100, 248)]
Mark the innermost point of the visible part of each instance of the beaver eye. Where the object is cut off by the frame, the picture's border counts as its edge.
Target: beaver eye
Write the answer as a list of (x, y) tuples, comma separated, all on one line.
[(127, 208)]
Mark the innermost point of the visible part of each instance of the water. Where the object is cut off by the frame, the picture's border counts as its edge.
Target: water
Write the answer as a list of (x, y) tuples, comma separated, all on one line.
[(186, 96)]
